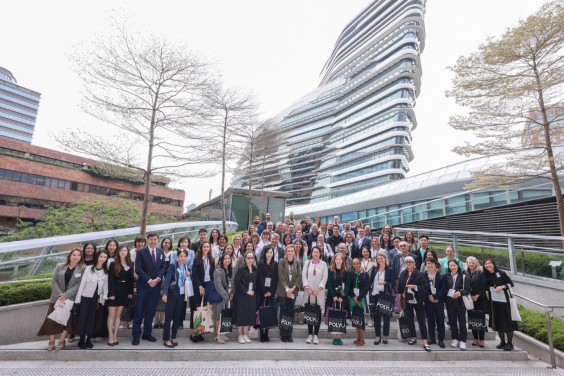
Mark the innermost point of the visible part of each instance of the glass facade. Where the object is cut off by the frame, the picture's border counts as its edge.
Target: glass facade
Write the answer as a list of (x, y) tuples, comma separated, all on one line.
[(354, 131), (18, 108)]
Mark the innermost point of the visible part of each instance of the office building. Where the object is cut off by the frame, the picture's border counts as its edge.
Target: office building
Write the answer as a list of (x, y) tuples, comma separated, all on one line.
[(18, 108), (354, 131)]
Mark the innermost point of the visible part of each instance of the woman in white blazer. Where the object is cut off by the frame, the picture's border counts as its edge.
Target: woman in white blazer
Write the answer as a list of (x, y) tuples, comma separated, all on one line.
[(314, 279)]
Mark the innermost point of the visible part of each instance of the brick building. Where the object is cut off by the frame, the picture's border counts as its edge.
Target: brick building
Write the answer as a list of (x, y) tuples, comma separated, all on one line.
[(534, 137), (53, 178)]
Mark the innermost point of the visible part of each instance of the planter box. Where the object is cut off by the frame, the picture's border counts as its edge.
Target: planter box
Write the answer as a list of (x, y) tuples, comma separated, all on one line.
[(21, 322)]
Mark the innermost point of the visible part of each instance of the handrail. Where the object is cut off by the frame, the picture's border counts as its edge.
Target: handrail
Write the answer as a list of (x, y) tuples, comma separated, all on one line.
[(497, 234), (25, 281), (548, 326)]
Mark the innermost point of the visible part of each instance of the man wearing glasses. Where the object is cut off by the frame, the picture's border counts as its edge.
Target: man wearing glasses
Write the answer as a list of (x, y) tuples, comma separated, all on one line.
[(398, 262)]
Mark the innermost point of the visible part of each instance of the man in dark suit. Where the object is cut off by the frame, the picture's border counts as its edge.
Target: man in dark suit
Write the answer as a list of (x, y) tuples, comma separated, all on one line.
[(362, 240), (264, 224), (150, 269), (203, 234), (275, 243)]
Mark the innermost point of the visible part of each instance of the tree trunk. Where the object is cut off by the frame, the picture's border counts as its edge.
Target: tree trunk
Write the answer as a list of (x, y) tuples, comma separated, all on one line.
[(223, 175), (262, 183), (550, 153), (145, 213), (250, 186)]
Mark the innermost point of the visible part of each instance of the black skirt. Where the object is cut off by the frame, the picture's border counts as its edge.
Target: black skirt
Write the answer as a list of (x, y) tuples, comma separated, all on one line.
[(244, 309), (90, 317), (120, 297)]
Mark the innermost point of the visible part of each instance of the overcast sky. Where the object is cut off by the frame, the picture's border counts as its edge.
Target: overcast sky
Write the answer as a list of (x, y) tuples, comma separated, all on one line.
[(274, 48)]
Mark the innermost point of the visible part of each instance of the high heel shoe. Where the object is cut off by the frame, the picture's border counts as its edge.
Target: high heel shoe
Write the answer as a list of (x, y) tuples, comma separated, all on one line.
[(378, 342), (50, 345), (60, 346), (385, 341)]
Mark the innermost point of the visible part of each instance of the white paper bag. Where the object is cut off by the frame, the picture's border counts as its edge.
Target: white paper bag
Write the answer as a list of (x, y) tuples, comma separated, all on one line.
[(62, 310)]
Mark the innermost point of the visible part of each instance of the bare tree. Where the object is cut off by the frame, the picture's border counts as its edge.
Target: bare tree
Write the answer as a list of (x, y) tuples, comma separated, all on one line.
[(148, 88), (509, 78), (226, 110)]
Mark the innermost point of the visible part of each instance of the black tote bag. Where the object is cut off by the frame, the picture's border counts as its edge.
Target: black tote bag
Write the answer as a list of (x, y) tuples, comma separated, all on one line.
[(357, 318), (385, 303), (312, 313), (403, 328), (477, 321), (337, 323), (268, 317), (226, 322), (128, 311), (286, 318)]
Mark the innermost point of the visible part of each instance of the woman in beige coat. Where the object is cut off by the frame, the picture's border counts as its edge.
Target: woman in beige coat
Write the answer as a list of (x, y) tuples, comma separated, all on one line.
[(314, 279)]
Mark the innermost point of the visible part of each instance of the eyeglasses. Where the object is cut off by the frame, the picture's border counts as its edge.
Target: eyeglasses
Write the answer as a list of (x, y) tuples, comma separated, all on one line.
[(250, 258), (410, 262), (403, 246)]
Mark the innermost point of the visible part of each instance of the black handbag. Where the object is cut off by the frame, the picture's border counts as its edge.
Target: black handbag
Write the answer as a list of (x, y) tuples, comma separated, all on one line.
[(128, 311), (312, 313), (75, 310), (357, 318), (403, 328), (268, 317), (337, 321), (385, 303), (286, 318), (477, 321), (226, 322)]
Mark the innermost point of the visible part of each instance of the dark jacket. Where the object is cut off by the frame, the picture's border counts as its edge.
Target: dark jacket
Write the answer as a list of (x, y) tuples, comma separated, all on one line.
[(243, 278), (334, 242), (125, 277), (198, 277), (363, 284), (173, 276), (331, 285), (195, 246), (462, 285), (267, 271), (417, 278), (478, 287), (440, 287), (354, 250), (145, 269), (311, 238), (365, 242), (395, 263), (389, 277)]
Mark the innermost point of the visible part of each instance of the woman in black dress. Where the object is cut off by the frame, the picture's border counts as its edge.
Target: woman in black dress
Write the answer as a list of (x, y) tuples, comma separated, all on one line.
[(500, 317), (166, 246), (111, 250), (267, 282), (120, 288), (244, 301), (202, 274), (92, 295)]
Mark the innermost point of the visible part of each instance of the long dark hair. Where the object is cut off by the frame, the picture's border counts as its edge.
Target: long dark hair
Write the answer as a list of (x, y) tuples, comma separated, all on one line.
[(459, 269), (84, 250), (230, 267), (496, 269), (181, 240), (117, 261), (169, 239), (108, 243), (199, 258), (211, 236), (95, 263)]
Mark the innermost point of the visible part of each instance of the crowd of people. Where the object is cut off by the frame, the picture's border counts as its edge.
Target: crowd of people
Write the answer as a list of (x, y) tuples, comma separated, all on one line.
[(292, 264)]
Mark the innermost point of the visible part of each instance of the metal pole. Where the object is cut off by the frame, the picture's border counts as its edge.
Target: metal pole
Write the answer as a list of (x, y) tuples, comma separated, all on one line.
[(512, 259), (550, 343), (455, 245)]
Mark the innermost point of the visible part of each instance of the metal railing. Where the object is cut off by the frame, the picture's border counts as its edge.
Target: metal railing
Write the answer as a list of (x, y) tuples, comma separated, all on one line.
[(35, 256), (548, 325), (533, 256)]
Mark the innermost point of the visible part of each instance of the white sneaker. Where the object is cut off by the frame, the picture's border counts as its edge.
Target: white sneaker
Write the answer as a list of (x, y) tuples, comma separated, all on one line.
[(454, 343), (315, 340), (219, 339), (240, 339), (371, 323), (247, 339), (309, 339), (462, 345)]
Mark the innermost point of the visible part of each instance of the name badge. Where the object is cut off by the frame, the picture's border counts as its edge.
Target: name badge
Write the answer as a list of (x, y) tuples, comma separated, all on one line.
[(498, 275), (207, 278), (343, 286), (267, 282), (250, 286), (290, 277), (181, 289), (356, 292), (433, 290), (161, 257), (78, 275), (313, 244), (293, 296), (451, 292), (166, 258), (126, 268)]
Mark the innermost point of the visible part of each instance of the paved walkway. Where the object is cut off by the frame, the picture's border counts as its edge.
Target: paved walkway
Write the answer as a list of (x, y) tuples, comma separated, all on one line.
[(271, 368)]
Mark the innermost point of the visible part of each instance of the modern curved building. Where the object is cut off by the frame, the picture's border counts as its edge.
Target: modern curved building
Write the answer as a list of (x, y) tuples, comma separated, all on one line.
[(354, 131)]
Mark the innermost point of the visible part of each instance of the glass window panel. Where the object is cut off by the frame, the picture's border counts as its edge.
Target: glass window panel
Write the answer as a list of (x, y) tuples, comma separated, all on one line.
[(67, 184), (54, 183), (61, 183), (40, 180), (8, 175), (1, 173), (16, 176), (25, 178)]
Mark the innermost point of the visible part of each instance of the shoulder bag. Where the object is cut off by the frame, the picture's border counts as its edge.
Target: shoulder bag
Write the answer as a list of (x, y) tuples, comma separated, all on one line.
[(467, 299)]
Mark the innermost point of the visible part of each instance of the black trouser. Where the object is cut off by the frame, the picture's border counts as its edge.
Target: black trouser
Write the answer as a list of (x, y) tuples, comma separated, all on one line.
[(420, 312), (435, 315), (286, 303), (192, 303), (378, 323), (173, 312), (457, 316), (183, 314), (313, 330)]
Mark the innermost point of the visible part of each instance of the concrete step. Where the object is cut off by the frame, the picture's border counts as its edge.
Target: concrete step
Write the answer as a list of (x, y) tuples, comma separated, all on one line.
[(300, 331), (274, 350)]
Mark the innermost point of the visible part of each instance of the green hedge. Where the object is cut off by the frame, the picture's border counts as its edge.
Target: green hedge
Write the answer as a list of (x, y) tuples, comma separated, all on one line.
[(534, 325), (535, 264), (25, 292)]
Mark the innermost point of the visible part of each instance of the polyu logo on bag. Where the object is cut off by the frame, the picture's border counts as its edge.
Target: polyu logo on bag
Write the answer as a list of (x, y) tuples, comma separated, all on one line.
[(286, 321), (356, 321), (226, 323), (336, 323), (385, 305), (405, 330)]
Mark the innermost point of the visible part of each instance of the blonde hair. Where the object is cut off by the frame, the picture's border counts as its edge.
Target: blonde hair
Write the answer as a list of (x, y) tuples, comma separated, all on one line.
[(333, 264), (472, 258), (383, 254)]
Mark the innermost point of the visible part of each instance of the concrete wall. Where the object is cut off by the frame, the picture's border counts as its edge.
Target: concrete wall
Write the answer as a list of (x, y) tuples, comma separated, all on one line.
[(540, 291), (21, 322)]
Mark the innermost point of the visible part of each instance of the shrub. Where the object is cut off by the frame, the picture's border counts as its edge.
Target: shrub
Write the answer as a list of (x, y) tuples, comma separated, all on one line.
[(534, 325), (25, 292)]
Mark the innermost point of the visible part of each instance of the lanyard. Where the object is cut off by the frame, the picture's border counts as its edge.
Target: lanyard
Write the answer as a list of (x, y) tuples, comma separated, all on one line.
[(182, 273), (207, 265), (365, 265)]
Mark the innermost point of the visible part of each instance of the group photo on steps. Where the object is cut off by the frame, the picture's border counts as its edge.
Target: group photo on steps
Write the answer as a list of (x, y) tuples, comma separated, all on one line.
[(342, 276)]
